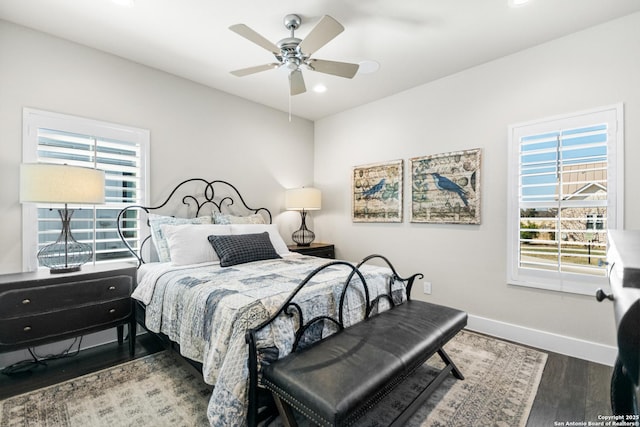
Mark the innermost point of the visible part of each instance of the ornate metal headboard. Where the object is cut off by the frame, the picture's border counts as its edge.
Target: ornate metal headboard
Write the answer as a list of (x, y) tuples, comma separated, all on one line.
[(196, 195)]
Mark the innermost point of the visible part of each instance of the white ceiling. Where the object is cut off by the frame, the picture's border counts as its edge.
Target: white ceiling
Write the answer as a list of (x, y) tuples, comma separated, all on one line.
[(414, 41)]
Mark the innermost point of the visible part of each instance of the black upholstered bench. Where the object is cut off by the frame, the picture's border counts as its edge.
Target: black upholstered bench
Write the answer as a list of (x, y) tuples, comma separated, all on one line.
[(335, 381)]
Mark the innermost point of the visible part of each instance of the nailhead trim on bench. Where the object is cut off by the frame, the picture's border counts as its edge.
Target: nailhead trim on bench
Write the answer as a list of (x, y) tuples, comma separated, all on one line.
[(308, 412)]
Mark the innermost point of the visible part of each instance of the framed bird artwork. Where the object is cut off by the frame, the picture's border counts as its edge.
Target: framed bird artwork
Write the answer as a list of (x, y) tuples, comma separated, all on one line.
[(377, 192), (445, 188)]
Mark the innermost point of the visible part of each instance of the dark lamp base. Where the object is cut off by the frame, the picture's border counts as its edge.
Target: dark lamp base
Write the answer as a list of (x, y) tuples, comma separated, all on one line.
[(66, 254), (64, 270), (303, 236)]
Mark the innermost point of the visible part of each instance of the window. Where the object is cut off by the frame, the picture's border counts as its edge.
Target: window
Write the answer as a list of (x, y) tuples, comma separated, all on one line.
[(565, 192), (120, 151)]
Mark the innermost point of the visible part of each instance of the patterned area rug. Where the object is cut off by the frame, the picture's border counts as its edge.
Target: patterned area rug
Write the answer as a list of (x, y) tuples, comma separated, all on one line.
[(501, 380), (157, 390)]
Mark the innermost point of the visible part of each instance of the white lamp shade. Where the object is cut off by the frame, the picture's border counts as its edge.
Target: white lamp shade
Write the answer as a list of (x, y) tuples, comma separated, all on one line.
[(49, 183), (307, 198)]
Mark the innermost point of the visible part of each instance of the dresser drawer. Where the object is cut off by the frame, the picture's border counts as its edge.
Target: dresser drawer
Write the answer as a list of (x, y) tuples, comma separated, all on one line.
[(70, 322), (33, 300)]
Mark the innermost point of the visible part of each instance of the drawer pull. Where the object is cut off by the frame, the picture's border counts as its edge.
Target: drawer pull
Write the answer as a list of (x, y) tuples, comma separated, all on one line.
[(112, 288), (601, 295), (26, 301), (113, 310), (26, 328)]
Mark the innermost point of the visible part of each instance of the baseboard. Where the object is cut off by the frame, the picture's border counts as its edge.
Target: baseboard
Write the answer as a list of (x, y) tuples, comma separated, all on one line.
[(581, 349)]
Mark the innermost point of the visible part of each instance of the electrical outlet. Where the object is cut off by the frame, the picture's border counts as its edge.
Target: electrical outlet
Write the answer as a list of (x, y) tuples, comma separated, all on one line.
[(426, 286)]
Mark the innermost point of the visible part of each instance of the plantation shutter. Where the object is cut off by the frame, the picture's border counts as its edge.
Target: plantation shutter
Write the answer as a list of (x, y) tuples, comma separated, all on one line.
[(120, 153), (564, 191), (563, 176)]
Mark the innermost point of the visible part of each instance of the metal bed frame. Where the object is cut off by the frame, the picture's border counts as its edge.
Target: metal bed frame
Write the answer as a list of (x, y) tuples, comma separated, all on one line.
[(220, 195)]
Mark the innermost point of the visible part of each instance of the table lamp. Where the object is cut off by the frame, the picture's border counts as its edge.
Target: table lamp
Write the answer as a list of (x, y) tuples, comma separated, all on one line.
[(303, 200), (51, 183)]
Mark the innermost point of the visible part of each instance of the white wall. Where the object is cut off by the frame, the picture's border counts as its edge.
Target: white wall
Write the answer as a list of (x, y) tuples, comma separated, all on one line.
[(195, 131), (472, 109)]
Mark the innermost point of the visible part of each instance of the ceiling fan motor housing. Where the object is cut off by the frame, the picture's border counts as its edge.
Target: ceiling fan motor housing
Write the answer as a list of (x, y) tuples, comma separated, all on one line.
[(290, 54)]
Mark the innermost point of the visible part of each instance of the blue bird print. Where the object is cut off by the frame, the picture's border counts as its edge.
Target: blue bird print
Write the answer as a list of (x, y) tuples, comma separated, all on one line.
[(373, 190), (445, 184)]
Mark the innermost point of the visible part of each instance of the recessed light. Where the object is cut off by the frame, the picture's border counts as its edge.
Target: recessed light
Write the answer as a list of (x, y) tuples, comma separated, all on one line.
[(319, 88), (368, 67), (123, 3), (516, 3)]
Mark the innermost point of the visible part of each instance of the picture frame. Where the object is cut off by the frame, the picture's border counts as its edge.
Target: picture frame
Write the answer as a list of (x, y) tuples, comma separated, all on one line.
[(377, 192), (445, 188)]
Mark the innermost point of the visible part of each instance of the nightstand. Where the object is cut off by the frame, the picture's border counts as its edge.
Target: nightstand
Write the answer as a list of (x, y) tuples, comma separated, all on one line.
[(39, 307), (322, 250)]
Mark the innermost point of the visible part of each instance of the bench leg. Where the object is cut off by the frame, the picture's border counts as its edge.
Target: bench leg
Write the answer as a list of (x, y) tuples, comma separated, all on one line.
[(419, 400), (285, 412), (447, 360)]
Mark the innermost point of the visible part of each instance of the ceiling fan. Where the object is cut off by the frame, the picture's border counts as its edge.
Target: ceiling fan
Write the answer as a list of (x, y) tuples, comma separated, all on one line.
[(292, 52)]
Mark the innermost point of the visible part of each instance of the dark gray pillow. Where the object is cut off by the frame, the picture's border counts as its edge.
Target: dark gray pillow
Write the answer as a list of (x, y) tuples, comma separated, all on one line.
[(241, 248)]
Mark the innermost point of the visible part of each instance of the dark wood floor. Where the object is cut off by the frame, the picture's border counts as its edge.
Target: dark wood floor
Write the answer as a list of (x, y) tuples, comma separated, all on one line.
[(89, 360), (570, 389)]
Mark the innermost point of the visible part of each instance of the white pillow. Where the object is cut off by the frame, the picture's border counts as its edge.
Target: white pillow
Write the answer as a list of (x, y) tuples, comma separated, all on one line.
[(274, 235), (219, 218), (159, 240), (189, 243)]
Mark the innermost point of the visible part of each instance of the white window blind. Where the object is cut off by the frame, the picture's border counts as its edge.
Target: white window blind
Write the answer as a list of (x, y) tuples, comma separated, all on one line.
[(565, 193), (120, 151)]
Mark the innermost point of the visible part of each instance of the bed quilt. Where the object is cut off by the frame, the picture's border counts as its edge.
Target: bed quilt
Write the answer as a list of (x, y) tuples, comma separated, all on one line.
[(207, 310)]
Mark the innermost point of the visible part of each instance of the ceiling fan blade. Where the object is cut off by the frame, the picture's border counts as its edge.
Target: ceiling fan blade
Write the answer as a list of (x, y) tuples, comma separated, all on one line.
[(252, 70), (254, 37), (325, 31), (296, 83), (341, 69)]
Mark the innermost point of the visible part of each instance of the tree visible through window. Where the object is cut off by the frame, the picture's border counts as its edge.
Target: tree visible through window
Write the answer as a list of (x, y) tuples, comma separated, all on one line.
[(565, 191), (118, 150)]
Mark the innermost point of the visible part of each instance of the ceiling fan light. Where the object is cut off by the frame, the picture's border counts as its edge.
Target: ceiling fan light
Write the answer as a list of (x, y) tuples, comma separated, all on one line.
[(292, 63)]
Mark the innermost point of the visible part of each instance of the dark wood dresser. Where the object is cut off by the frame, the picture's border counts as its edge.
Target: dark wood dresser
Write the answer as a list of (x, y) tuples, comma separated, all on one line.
[(322, 250), (39, 307)]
